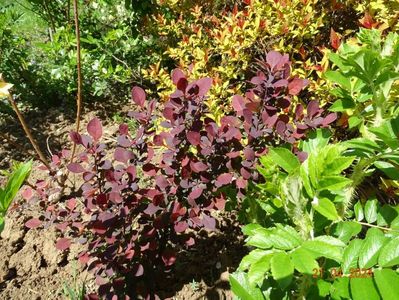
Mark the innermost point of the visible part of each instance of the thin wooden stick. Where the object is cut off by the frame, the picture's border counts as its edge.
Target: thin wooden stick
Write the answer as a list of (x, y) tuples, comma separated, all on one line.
[(28, 133), (78, 59)]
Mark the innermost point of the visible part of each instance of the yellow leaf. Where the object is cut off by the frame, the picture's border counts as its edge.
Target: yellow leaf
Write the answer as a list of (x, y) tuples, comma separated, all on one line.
[(4, 87)]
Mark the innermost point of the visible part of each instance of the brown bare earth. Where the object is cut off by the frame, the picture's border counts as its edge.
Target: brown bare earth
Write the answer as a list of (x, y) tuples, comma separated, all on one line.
[(32, 268)]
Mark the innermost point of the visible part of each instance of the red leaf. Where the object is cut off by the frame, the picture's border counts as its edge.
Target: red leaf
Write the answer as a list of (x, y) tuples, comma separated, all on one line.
[(180, 227), (169, 257), (223, 179), (367, 21), (195, 193), (335, 40), (296, 85), (177, 74), (95, 129), (27, 193), (76, 168), (194, 138), (138, 96), (124, 129), (33, 223), (71, 203), (84, 258), (63, 244), (75, 137)]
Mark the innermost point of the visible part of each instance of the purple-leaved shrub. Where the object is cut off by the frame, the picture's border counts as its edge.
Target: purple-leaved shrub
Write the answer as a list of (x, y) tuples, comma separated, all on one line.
[(140, 197)]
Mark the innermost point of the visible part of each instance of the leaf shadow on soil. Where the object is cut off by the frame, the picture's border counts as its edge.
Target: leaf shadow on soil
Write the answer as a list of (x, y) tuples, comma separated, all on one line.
[(201, 272)]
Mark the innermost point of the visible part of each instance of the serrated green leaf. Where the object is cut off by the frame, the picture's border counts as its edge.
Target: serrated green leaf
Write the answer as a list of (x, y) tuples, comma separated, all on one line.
[(303, 261), (340, 289), (389, 255), (333, 183), (346, 230), (330, 240), (316, 140), (363, 288), (282, 269), (371, 248), (388, 169), (252, 257), (354, 121), (241, 287), (342, 105), (323, 287), (260, 238), (358, 211), (257, 270), (285, 159), (338, 77), (323, 249), (339, 164), (386, 214), (370, 211), (326, 208), (387, 282), (351, 255), (250, 228)]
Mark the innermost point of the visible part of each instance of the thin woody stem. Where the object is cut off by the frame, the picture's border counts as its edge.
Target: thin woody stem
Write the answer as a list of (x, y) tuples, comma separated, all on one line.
[(28, 133), (79, 67)]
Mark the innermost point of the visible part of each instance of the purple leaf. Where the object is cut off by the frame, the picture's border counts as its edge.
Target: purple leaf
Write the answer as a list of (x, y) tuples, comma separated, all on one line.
[(168, 257), (176, 75), (63, 244), (273, 58), (238, 104), (195, 193), (76, 168), (208, 222), (124, 129), (329, 119), (313, 108), (33, 223), (75, 137), (181, 226), (138, 270), (138, 96), (223, 179), (204, 85), (123, 155), (296, 85), (95, 129), (161, 182), (198, 167), (194, 138)]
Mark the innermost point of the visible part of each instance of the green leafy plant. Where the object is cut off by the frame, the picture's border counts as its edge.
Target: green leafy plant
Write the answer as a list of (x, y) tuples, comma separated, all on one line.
[(74, 290), (365, 77), (15, 180), (321, 247)]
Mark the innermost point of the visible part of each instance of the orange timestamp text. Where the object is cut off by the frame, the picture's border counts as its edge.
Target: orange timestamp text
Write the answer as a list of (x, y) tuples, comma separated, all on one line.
[(337, 272)]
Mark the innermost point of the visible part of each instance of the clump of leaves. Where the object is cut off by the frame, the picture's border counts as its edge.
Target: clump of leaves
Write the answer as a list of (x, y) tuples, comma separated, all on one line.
[(313, 245), (133, 230), (15, 180)]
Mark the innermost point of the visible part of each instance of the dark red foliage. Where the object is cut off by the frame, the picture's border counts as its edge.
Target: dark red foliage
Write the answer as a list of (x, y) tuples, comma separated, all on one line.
[(133, 230)]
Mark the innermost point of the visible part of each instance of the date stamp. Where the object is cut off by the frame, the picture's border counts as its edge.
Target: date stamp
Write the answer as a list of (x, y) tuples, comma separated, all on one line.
[(337, 273)]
